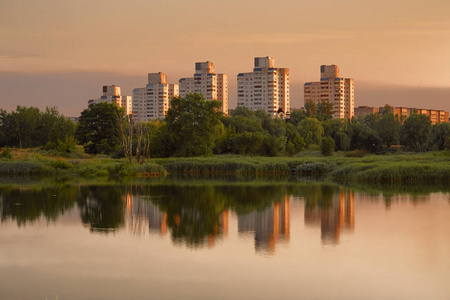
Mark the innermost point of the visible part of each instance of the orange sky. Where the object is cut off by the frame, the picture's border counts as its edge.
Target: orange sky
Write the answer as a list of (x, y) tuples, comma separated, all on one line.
[(403, 43)]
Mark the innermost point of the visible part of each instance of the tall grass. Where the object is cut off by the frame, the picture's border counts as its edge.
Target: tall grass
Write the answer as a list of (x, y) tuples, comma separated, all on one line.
[(425, 167)]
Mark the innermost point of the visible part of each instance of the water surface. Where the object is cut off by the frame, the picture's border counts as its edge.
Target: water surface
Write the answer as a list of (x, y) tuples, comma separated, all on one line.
[(199, 239)]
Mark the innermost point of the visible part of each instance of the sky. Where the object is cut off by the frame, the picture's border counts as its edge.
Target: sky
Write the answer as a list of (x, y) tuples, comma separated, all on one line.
[(61, 52)]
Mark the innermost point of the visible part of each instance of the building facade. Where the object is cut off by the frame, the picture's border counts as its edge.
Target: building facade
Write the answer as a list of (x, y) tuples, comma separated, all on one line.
[(152, 102), (265, 88), (205, 81), (334, 89), (112, 94), (362, 111), (436, 116)]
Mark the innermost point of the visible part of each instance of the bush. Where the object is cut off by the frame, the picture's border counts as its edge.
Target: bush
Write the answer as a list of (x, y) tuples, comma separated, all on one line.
[(327, 146), (6, 153)]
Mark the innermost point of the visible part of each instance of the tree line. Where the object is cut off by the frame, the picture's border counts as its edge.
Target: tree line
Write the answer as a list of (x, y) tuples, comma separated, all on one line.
[(28, 127), (195, 127)]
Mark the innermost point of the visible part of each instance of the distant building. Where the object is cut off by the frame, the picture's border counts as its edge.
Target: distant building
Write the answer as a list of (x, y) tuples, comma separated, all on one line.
[(436, 116), (265, 88), (362, 111), (152, 102), (112, 94), (334, 89), (205, 81)]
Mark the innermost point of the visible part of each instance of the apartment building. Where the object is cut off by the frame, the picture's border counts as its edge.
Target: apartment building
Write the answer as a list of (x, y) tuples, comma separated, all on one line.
[(152, 102), (265, 88), (205, 81), (436, 116), (112, 94), (334, 89), (362, 111)]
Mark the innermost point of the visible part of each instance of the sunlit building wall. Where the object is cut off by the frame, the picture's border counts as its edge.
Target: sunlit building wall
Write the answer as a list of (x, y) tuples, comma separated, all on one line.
[(334, 89), (206, 82), (153, 101), (265, 88), (436, 116), (112, 94)]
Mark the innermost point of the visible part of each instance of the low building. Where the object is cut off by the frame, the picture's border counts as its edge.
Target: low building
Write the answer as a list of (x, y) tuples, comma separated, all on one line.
[(436, 116), (362, 111)]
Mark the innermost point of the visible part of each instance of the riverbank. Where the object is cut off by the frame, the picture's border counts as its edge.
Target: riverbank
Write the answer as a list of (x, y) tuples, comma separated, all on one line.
[(391, 168)]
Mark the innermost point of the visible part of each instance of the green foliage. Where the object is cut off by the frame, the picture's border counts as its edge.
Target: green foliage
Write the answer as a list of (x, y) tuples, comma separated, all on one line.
[(192, 124), (29, 127), (68, 146), (296, 116), (6, 153), (327, 146), (365, 138), (388, 128), (438, 137), (61, 164), (325, 110), (342, 141), (311, 130), (310, 108), (415, 131), (98, 128), (313, 168)]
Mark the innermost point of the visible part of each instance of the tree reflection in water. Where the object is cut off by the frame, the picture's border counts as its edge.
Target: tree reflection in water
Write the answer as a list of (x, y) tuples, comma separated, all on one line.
[(194, 214)]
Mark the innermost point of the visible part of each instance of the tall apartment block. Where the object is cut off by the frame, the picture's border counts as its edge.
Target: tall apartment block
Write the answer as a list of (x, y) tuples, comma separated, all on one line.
[(112, 94), (265, 88), (152, 102), (205, 81), (332, 88)]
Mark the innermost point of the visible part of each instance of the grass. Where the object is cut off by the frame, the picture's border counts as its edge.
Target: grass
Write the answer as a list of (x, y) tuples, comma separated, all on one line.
[(393, 168)]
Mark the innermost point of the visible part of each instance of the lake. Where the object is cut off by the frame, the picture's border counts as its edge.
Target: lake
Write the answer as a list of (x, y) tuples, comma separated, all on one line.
[(172, 238)]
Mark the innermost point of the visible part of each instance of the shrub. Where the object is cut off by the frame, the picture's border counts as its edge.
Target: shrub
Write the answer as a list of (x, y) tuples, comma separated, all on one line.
[(6, 153)]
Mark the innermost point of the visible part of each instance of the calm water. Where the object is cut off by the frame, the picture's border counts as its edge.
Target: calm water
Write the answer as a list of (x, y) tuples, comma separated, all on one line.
[(172, 239)]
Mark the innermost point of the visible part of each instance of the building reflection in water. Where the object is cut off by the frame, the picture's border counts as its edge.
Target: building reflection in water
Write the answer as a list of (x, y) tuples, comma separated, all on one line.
[(331, 210), (143, 214), (333, 219), (270, 226)]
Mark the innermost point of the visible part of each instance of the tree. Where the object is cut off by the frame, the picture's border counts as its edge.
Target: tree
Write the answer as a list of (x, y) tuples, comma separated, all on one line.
[(327, 146), (311, 130), (192, 123), (325, 109), (310, 108), (438, 134), (98, 130), (296, 116), (388, 128), (363, 137), (126, 127), (415, 130)]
